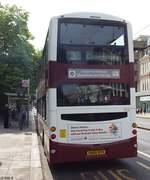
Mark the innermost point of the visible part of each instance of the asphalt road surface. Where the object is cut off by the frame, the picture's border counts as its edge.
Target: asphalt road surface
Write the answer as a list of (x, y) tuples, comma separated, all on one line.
[(125, 169)]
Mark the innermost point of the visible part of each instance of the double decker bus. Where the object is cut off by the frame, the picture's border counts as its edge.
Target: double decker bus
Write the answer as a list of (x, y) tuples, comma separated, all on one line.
[(86, 94)]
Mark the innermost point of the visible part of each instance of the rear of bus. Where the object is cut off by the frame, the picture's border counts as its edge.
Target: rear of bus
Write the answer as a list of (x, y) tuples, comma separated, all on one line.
[(91, 96)]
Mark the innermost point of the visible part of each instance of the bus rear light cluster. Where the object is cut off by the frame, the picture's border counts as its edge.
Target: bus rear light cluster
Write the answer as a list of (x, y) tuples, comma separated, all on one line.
[(53, 136), (134, 125), (53, 129), (134, 131)]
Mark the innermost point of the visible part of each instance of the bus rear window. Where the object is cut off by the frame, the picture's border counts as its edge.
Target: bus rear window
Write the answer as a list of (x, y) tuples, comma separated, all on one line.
[(94, 94), (95, 34), (92, 43)]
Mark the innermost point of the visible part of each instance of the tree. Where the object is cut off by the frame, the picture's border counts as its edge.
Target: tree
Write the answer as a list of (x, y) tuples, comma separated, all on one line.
[(17, 56), (35, 69)]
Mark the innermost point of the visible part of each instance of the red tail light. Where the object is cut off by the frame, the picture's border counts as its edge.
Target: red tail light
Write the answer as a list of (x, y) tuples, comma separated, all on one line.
[(134, 131), (53, 136)]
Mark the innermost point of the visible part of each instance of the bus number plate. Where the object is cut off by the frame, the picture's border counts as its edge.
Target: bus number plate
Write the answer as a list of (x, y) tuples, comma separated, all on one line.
[(96, 152)]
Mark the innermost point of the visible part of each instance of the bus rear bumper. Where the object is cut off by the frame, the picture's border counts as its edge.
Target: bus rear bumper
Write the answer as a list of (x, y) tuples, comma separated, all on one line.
[(67, 153)]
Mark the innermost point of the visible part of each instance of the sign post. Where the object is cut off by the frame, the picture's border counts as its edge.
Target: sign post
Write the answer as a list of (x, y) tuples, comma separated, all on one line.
[(26, 84)]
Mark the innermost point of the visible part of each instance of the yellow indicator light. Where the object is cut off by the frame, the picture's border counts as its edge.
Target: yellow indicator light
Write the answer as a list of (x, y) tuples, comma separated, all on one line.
[(134, 125), (62, 133), (53, 129)]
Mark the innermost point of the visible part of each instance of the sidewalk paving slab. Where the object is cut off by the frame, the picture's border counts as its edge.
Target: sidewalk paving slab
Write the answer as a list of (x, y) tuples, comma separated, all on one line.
[(143, 124), (19, 153)]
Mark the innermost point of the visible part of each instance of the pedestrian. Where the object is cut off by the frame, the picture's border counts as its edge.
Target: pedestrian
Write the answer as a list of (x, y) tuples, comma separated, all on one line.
[(22, 118), (144, 110), (13, 113), (137, 110), (6, 116), (141, 110)]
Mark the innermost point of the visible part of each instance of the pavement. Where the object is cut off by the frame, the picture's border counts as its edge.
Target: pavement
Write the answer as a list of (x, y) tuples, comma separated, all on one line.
[(20, 157), (145, 124), (145, 115)]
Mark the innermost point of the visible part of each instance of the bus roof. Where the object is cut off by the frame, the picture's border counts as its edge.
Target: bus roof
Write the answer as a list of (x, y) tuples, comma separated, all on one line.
[(91, 15)]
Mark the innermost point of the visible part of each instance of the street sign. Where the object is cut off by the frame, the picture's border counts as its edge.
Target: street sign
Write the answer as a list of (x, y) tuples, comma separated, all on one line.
[(25, 83)]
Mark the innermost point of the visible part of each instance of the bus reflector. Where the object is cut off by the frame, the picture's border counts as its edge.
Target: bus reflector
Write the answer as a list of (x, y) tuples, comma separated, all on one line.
[(135, 145), (134, 125), (62, 133), (53, 151), (134, 131), (53, 129), (53, 136)]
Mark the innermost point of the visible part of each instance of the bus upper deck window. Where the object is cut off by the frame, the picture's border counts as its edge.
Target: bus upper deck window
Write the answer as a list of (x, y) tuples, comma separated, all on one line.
[(73, 56)]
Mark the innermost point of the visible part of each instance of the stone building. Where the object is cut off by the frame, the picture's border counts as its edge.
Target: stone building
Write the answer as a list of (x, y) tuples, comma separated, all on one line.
[(142, 71)]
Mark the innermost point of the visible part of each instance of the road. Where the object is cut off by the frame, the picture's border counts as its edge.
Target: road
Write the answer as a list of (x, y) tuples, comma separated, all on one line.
[(143, 136), (124, 169)]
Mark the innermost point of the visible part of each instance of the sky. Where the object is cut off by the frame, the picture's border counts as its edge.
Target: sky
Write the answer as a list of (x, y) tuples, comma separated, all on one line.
[(41, 11)]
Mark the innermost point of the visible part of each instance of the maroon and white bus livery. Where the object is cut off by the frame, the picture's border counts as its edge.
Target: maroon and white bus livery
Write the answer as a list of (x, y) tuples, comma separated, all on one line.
[(86, 94)]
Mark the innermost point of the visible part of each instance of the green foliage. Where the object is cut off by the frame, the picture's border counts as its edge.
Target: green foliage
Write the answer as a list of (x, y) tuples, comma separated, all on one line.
[(35, 68), (18, 58)]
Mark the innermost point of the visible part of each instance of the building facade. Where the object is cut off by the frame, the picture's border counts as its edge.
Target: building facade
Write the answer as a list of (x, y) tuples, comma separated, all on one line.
[(142, 72)]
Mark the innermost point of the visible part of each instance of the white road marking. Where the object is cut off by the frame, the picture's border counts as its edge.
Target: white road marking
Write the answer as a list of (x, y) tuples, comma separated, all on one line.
[(143, 165), (144, 154)]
